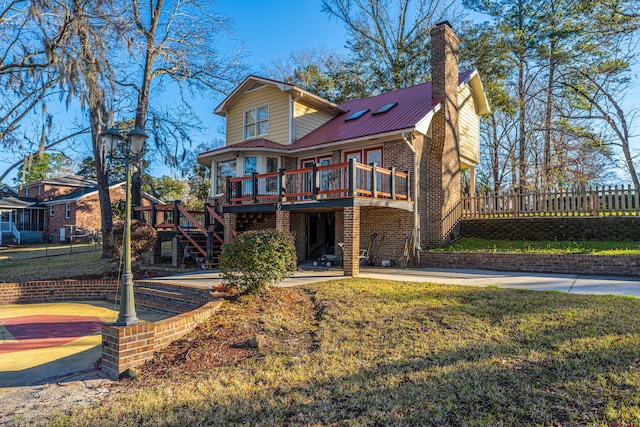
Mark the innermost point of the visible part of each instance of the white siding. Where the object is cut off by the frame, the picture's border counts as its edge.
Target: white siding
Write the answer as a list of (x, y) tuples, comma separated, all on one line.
[(468, 127)]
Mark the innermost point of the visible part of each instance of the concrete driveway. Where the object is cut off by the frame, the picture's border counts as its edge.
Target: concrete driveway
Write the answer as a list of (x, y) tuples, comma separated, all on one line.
[(569, 283)]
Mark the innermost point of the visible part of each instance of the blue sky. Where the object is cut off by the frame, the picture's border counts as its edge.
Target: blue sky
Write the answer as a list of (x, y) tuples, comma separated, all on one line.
[(271, 30)]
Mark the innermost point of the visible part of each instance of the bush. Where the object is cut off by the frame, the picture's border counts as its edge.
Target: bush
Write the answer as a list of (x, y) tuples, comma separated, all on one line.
[(143, 237), (256, 259)]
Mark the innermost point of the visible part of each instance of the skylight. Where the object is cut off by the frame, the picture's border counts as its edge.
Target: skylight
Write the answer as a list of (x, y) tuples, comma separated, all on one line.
[(356, 115), (385, 108)]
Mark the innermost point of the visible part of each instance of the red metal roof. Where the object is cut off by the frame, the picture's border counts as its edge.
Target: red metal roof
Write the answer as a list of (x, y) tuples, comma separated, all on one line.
[(251, 143), (414, 103)]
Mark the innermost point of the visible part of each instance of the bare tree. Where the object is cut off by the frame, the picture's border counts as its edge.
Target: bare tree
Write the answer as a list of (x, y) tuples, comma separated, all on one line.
[(175, 41), (390, 39)]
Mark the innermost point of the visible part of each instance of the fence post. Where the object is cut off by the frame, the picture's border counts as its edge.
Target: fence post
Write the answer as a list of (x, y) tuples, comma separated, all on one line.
[(282, 185), (229, 191), (374, 180), (254, 186), (176, 214), (393, 183), (352, 177), (315, 181)]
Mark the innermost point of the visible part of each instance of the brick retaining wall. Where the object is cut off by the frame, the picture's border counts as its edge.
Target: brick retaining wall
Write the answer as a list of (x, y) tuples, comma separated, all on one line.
[(553, 228), (618, 265), (123, 347)]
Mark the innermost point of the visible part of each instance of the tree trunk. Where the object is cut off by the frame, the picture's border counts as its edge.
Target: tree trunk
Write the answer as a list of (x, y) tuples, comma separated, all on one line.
[(546, 177), (97, 110), (142, 107)]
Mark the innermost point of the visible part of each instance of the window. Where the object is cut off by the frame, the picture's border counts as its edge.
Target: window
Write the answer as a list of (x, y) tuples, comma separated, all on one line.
[(50, 210), (272, 166), (224, 169), (373, 155), (67, 211), (26, 192), (356, 115), (39, 190), (256, 122), (385, 108), (250, 166)]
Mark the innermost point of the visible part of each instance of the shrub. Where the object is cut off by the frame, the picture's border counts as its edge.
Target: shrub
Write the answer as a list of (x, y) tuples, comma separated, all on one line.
[(257, 259), (143, 237)]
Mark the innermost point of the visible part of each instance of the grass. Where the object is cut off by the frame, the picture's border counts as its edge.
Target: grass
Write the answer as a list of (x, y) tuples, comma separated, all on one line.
[(58, 267), (41, 251), (29, 263), (544, 246), (392, 353)]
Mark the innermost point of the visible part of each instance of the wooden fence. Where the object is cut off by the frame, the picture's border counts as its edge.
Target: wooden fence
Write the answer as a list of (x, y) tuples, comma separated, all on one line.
[(591, 202)]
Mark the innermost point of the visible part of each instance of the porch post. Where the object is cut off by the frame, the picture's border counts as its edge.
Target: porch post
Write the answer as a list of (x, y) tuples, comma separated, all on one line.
[(351, 248), (283, 221), (230, 223)]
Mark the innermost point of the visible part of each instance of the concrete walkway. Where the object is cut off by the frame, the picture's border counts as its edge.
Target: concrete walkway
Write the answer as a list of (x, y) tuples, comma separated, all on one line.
[(569, 283)]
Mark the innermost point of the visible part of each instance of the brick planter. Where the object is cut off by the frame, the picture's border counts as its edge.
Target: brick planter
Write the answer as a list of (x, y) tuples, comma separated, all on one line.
[(618, 265)]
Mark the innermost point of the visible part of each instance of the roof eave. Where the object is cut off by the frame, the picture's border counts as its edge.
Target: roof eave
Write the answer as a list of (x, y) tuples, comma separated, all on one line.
[(478, 93), (202, 158)]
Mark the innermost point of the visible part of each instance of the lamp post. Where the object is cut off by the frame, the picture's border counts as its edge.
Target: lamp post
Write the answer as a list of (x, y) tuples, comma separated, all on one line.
[(133, 144)]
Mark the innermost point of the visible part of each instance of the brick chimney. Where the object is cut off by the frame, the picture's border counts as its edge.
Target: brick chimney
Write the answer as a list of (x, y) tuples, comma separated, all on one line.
[(443, 167)]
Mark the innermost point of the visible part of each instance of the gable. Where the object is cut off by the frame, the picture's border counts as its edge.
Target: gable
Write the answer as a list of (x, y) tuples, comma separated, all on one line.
[(278, 103)]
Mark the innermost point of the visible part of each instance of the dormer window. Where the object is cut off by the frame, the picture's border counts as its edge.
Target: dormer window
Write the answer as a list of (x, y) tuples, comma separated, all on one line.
[(256, 122)]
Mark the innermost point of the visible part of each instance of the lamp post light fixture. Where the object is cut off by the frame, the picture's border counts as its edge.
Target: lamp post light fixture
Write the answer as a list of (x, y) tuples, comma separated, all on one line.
[(130, 150)]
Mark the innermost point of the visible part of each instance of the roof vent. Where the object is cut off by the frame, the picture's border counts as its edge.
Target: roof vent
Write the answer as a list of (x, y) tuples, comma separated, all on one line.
[(385, 108), (356, 115)]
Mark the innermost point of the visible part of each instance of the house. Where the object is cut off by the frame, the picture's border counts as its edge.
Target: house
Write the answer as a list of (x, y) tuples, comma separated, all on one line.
[(381, 172), (55, 208)]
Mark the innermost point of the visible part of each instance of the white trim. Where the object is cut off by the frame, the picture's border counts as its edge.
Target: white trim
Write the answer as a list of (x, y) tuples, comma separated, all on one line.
[(424, 123), (67, 210)]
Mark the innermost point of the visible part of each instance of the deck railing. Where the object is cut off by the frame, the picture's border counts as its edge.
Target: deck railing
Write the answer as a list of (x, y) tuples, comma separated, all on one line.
[(340, 180), (588, 202)]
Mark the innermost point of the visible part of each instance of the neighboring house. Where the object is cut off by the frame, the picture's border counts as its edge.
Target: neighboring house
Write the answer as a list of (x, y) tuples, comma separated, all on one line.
[(55, 208), (386, 166)]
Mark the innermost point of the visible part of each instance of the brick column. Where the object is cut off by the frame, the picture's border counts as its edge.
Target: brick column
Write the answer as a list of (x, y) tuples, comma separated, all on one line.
[(177, 253), (125, 347), (283, 221), (351, 249), (230, 223)]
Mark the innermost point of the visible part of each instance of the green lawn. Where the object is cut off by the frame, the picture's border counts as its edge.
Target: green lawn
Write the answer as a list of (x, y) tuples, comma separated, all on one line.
[(544, 246), (391, 353), (30, 263)]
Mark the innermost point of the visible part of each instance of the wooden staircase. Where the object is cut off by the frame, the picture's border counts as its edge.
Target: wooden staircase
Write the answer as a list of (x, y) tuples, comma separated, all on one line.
[(199, 233)]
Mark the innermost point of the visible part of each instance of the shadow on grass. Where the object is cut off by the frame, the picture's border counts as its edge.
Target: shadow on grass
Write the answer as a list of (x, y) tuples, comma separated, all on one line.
[(423, 355)]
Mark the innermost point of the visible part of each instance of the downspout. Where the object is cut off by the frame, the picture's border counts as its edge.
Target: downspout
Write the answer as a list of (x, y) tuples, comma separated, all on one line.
[(292, 113), (408, 138)]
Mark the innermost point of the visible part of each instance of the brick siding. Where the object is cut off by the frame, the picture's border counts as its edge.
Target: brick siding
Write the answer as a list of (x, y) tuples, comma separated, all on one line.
[(568, 228)]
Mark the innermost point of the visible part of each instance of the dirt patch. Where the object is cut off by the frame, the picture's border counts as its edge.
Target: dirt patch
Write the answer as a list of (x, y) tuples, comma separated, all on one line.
[(246, 327)]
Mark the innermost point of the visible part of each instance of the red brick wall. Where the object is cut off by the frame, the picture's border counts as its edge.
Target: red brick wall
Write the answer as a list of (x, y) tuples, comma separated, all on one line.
[(619, 265), (392, 227), (84, 214), (125, 347)]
